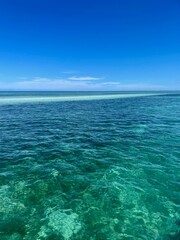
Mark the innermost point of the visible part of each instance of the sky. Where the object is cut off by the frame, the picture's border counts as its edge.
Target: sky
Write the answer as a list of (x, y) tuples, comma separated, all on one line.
[(88, 45)]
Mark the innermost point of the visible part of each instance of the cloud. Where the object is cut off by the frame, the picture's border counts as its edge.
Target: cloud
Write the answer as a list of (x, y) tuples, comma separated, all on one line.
[(83, 78), (47, 84), (71, 72)]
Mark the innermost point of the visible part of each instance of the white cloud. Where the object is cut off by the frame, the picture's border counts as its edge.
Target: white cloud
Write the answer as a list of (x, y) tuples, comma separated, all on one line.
[(45, 84), (87, 78), (71, 72)]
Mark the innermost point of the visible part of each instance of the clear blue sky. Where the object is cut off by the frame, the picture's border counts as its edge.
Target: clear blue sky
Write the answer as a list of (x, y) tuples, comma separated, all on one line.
[(89, 45)]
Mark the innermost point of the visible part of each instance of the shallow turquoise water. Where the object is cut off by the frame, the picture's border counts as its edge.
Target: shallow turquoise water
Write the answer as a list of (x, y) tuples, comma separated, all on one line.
[(104, 169)]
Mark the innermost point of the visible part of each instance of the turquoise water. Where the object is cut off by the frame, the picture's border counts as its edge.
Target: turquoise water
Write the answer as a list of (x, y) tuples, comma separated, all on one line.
[(95, 168), (40, 97)]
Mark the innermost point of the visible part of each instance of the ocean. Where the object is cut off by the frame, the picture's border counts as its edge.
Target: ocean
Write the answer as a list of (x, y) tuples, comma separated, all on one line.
[(89, 165)]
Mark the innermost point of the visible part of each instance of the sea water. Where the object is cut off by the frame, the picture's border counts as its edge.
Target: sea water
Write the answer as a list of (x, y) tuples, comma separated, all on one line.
[(103, 168)]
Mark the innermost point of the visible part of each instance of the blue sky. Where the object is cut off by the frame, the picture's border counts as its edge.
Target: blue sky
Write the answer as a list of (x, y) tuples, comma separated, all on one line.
[(89, 45)]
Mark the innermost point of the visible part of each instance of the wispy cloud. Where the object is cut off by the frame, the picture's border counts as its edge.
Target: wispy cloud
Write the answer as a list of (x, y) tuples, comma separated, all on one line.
[(45, 84), (86, 78), (71, 72)]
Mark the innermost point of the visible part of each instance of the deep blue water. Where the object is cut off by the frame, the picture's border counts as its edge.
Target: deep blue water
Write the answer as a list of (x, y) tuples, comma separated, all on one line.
[(104, 169)]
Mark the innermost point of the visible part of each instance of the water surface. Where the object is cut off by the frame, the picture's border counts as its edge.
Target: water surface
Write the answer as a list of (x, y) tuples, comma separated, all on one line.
[(101, 169)]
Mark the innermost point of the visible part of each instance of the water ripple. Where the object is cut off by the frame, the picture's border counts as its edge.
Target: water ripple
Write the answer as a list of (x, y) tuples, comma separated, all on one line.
[(90, 169)]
